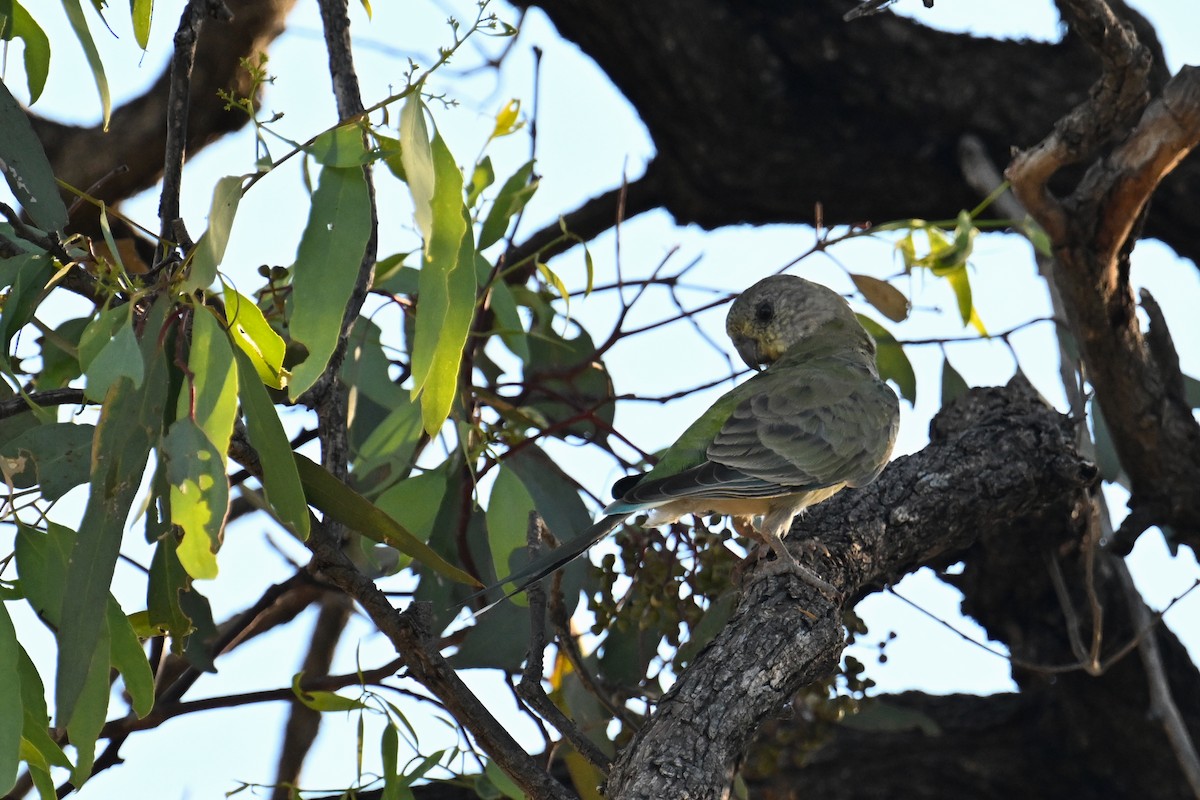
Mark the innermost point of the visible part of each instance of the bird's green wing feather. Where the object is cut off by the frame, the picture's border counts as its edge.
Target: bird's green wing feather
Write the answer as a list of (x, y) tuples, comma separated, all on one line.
[(810, 424)]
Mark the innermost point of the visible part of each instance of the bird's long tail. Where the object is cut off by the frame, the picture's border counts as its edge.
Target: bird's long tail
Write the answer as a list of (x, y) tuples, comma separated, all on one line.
[(547, 563)]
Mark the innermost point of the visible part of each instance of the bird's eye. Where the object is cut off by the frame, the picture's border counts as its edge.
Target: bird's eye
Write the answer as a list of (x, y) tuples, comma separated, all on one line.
[(764, 311)]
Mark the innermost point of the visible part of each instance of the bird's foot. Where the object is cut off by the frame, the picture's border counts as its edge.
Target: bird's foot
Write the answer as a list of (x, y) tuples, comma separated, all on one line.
[(786, 564)]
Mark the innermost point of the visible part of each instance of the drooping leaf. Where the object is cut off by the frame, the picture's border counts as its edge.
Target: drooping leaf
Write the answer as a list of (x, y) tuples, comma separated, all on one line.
[(12, 707), (482, 177), (90, 707), (342, 146), (568, 386), (508, 321), (37, 718), (127, 656), (389, 745), (142, 12), (210, 248), (255, 337), (891, 359), (281, 482), (167, 581), (214, 380), (508, 519), (953, 385), (57, 457), (60, 366), (393, 441), (30, 272), (130, 424), (20, 25), (327, 266), (416, 156), (887, 299), (350, 508), (42, 567), (324, 701), (513, 196), (120, 358), (414, 502), (80, 26), (446, 297), (199, 495), (26, 167)]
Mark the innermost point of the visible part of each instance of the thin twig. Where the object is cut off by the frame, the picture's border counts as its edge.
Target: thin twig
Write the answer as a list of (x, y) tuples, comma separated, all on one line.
[(1161, 700)]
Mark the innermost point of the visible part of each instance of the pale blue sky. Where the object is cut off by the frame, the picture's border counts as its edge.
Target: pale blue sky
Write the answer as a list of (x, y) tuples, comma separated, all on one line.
[(588, 137)]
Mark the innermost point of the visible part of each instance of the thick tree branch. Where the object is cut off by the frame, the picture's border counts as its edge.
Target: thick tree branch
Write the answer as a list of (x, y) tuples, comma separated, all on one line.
[(1137, 383), (1005, 459), (799, 120)]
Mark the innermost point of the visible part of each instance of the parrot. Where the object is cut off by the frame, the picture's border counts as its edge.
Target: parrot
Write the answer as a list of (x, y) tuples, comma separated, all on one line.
[(814, 419)]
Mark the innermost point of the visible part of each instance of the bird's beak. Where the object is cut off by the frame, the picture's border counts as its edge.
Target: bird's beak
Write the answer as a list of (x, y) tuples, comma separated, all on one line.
[(748, 350)]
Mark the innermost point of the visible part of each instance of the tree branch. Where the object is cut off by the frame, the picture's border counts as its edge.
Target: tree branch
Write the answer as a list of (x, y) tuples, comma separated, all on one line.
[(999, 457)]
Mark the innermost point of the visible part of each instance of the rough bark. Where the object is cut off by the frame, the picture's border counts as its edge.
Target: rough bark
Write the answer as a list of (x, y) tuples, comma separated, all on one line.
[(760, 110), (1003, 462)]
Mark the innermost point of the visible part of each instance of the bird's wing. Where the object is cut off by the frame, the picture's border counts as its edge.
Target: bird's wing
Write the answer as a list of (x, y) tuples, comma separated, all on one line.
[(810, 425)]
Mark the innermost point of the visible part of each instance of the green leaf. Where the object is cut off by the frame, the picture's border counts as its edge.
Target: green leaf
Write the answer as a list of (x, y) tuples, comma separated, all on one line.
[(416, 156), (1107, 458), (508, 321), (198, 650), (128, 657), (342, 146), (513, 196), (142, 12), (891, 359), (30, 274), (60, 366), (119, 359), (324, 701), (960, 282), (389, 745), (446, 298), (199, 495), (508, 520), (37, 718), (20, 25), (482, 177), (414, 502), (42, 567), (1191, 391), (339, 501), (953, 385), (567, 385), (59, 454), (79, 24), (90, 707), (327, 266), (281, 482), (210, 249), (255, 337), (393, 441), (167, 581), (12, 708), (214, 383), (26, 168), (130, 424), (99, 332), (502, 782), (887, 299)]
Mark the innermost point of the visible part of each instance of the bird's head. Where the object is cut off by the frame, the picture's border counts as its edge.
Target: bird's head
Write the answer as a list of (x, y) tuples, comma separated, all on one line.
[(781, 311)]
